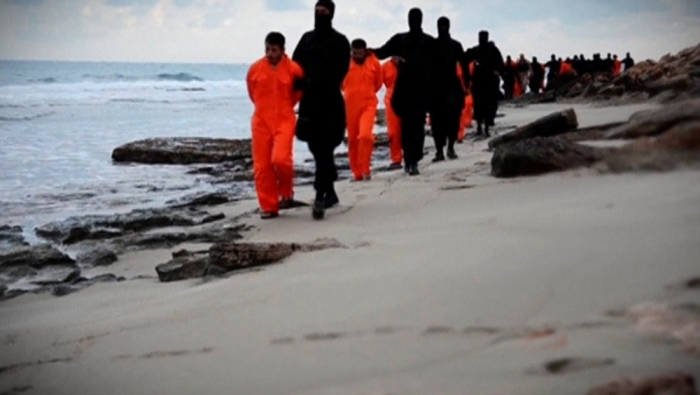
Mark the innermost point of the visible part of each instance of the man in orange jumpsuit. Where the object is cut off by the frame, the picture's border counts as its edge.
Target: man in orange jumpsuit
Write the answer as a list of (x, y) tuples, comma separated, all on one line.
[(389, 72), (271, 88), (617, 68), (468, 112), (363, 81)]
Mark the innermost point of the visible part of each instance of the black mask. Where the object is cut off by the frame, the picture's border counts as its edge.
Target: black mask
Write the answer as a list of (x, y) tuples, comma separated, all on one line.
[(323, 22), (483, 38), (443, 27), (415, 20)]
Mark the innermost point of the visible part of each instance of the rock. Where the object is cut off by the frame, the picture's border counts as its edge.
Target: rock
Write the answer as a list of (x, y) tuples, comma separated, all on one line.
[(215, 271), (97, 227), (541, 155), (664, 384), (658, 121), (82, 283), (3, 289), (679, 83), (207, 199), (380, 120), (183, 268), (551, 125), (183, 151), (97, 257), (11, 236), (233, 256), (58, 275), (318, 245), (39, 256)]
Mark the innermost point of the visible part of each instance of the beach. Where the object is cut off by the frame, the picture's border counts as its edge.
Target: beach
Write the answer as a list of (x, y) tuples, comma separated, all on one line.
[(452, 282)]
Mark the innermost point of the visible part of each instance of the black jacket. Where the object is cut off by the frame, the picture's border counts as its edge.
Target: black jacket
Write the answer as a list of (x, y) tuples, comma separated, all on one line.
[(448, 90), (325, 59)]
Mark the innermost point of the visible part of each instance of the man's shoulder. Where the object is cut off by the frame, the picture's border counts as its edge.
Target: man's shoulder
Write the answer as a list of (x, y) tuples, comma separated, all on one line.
[(258, 63)]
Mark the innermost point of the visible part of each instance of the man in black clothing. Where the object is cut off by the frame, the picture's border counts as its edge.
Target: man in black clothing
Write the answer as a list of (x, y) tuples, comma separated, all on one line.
[(609, 64), (537, 76), (415, 52), (448, 100), (628, 62), (553, 69), (488, 67), (510, 73), (324, 56)]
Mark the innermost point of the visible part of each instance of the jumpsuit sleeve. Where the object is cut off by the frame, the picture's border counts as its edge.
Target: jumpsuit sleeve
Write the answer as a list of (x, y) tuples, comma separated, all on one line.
[(464, 65), (379, 75), (388, 49), (250, 83)]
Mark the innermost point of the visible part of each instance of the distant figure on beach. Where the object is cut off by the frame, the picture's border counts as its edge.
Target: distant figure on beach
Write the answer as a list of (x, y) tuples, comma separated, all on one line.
[(553, 69), (488, 67), (415, 52), (363, 81), (609, 63), (468, 111), (524, 72), (449, 91), (628, 62), (390, 71), (510, 74), (324, 55), (270, 83), (617, 66), (537, 79)]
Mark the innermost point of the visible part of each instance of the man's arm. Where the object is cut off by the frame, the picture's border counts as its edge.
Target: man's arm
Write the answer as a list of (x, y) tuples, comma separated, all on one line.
[(249, 82), (462, 60), (390, 48)]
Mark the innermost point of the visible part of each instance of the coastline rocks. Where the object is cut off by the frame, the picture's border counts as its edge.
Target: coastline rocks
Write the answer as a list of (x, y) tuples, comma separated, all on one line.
[(540, 155), (37, 257), (97, 257), (664, 384), (226, 256), (100, 227), (183, 151), (655, 122), (11, 236), (551, 125)]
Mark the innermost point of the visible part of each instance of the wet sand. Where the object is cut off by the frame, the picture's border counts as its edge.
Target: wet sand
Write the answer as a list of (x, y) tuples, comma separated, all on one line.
[(452, 282)]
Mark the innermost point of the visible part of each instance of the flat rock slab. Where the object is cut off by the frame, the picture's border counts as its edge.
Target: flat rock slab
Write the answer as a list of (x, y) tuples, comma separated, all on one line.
[(655, 122), (39, 256), (183, 151), (551, 125)]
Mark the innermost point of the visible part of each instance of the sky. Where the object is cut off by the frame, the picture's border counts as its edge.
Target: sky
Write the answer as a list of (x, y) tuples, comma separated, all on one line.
[(233, 31)]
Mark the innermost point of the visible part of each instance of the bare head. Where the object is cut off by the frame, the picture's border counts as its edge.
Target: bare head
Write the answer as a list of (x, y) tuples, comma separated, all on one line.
[(359, 50), (274, 47)]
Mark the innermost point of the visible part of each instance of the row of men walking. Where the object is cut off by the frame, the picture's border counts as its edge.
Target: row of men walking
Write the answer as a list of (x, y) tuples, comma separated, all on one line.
[(523, 74)]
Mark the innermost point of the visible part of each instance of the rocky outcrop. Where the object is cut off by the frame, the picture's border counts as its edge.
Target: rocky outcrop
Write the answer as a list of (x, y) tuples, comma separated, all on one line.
[(100, 227), (183, 151), (541, 155), (97, 257), (11, 236), (663, 139), (226, 257), (662, 384), (37, 257), (551, 125)]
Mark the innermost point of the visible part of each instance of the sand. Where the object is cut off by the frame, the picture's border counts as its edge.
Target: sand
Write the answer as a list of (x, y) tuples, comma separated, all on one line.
[(452, 282)]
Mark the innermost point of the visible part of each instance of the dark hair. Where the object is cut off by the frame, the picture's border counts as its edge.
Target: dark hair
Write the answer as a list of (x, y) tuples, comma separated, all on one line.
[(358, 43), (275, 38)]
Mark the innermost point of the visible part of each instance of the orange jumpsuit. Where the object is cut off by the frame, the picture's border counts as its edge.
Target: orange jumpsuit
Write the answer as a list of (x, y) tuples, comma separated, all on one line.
[(566, 68), (360, 87), (618, 68), (271, 90), (468, 112), (393, 122)]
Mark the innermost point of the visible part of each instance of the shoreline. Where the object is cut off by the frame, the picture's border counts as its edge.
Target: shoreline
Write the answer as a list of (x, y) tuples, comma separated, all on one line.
[(451, 282)]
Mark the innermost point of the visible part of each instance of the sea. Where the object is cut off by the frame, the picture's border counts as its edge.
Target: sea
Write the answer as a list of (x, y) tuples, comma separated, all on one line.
[(60, 121)]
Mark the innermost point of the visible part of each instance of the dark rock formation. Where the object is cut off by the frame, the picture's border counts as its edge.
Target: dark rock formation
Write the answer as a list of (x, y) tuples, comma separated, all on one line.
[(183, 151), (38, 257), (11, 236), (99, 227), (97, 257), (658, 121), (183, 267), (663, 384), (541, 155), (233, 256), (551, 125)]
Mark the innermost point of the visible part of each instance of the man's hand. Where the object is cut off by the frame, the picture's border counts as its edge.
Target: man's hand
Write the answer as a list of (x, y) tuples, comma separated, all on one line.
[(398, 59)]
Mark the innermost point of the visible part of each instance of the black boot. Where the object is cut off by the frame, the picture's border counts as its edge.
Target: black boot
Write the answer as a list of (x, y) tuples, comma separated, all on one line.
[(439, 156), (451, 152), (414, 170), (331, 199)]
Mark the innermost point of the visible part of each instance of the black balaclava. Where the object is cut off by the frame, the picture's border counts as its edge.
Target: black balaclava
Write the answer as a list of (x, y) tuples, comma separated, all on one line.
[(483, 38), (443, 25), (322, 22), (415, 21)]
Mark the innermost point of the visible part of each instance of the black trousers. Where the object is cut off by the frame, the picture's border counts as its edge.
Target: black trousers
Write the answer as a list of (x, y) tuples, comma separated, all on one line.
[(445, 127), (413, 137), (326, 172)]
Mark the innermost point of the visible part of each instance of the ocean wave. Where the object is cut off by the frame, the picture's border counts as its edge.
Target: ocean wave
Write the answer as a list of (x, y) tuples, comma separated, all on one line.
[(137, 100), (26, 117), (48, 80), (182, 77)]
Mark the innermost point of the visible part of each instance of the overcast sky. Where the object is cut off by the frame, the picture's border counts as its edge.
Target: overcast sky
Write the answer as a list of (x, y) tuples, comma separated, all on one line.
[(213, 31)]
